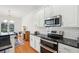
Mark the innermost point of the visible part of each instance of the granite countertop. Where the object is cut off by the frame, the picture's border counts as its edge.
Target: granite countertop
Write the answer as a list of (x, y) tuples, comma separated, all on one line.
[(66, 41), (7, 34)]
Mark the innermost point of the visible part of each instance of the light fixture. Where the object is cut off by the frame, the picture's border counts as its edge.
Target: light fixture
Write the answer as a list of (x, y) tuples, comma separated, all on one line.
[(48, 18), (11, 21), (5, 21), (9, 18)]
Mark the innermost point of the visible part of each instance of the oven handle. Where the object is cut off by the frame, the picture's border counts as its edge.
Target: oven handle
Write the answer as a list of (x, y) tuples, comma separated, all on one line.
[(49, 41), (49, 49)]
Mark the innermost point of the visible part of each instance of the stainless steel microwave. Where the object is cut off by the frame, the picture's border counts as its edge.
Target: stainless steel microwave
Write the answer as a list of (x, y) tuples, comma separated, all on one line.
[(56, 21)]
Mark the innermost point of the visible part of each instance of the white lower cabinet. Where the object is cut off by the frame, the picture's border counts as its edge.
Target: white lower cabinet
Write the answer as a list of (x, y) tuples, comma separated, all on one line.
[(62, 48), (13, 40), (35, 42), (32, 41)]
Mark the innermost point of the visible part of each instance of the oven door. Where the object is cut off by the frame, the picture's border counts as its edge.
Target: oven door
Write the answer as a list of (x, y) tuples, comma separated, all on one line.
[(48, 46), (43, 50)]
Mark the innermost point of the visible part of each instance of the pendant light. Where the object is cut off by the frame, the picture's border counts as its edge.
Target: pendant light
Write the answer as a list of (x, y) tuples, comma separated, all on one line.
[(9, 18)]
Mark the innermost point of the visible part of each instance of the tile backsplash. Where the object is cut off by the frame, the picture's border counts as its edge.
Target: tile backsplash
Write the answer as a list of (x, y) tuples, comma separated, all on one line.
[(69, 32)]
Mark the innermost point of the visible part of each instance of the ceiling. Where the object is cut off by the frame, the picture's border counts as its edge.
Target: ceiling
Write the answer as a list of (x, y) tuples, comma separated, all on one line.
[(18, 10)]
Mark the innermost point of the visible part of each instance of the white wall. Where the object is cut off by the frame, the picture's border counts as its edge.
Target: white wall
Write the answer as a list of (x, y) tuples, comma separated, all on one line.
[(69, 32), (17, 22), (30, 21)]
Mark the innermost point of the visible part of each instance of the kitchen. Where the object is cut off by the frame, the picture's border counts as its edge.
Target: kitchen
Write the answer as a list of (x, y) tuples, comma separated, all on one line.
[(53, 28)]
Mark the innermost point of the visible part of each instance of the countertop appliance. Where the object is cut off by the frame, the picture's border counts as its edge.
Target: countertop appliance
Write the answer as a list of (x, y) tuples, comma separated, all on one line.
[(55, 21)]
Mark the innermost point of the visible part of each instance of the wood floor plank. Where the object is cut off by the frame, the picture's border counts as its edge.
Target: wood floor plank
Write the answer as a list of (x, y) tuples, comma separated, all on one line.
[(25, 48)]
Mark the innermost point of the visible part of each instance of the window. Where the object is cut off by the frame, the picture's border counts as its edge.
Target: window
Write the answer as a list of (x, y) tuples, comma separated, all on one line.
[(4, 27), (11, 27)]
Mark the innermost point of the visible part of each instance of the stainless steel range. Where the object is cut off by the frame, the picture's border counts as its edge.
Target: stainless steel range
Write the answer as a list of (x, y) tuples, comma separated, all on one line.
[(49, 44)]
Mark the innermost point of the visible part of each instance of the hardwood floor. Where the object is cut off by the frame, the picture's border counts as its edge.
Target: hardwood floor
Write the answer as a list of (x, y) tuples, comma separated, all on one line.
[(25, 48)]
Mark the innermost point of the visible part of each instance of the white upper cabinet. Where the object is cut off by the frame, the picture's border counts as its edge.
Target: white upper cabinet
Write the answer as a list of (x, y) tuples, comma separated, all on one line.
[(39, 16), (77, 16), (69, 14), (42, 14), (48, 12)]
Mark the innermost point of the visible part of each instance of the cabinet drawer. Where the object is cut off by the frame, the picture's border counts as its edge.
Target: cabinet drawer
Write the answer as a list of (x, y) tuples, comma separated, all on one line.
[(66, 49)]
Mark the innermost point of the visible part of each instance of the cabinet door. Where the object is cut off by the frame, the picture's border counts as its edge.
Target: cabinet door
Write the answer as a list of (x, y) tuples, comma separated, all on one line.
[(37, 39), (40, 18), (69, 14), (35, 42), (48, 12), (41, 24), (12, 39), (67, 49), (31, 41)]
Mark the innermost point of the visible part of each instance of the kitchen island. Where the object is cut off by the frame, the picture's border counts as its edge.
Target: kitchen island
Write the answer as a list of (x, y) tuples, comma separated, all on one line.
[(7, 43)]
